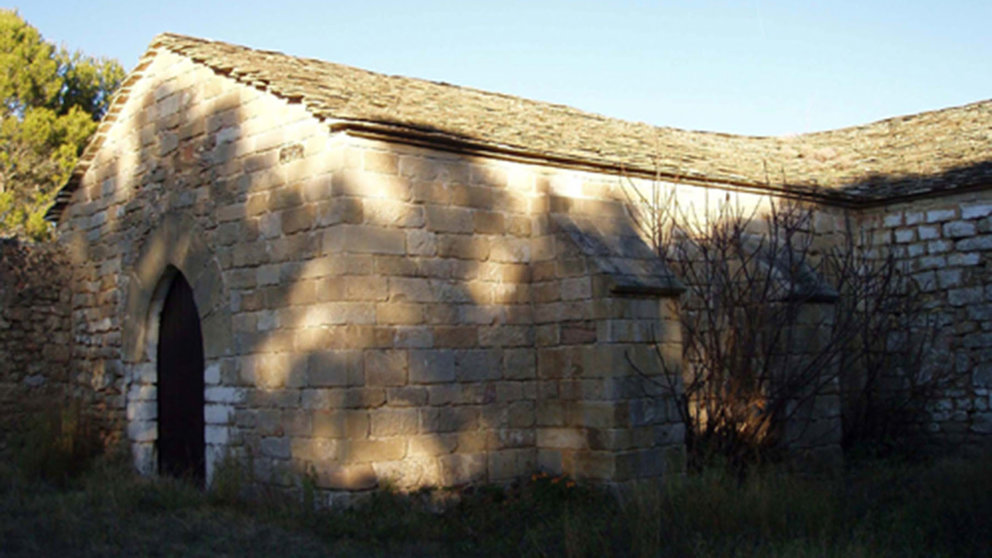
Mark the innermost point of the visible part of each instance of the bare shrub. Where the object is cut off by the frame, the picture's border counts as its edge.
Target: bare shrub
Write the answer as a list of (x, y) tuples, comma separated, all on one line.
[(770, 348), (891, 372)]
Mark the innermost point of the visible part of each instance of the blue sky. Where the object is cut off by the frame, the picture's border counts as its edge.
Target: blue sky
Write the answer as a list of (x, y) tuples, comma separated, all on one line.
[(753, 67)]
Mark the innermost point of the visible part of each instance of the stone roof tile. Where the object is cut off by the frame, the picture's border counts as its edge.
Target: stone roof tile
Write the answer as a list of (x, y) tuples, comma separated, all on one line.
[(936, 151)]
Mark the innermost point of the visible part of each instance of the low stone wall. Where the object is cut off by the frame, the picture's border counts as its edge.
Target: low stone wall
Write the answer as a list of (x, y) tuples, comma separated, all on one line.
[(34, 334)]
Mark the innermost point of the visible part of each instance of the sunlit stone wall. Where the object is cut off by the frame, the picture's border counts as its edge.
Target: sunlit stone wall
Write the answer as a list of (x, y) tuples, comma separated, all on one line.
[(370, 311)]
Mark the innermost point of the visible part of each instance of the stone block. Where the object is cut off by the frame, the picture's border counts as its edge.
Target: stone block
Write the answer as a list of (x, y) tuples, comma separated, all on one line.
[(443, 394), (318, 450), (959, 229), (940, 215), (561, 438), (410, 396), (976, 211), (477, 365), (365, 288), (365, 239), (449, 419), (300, 218), (520, 364), (418, 168), (365, 398), (385, 367), (431, 445), (511, 250), (421, 243), (928, 232), (216, 435), (213, 414), (351, 425), (456, 336), (445, 219), (521, 414), (142, 431), (463, 468), (389, 213), (432, 366), (276, 448), (322, 399), (573, 333), (380, 162), (647, 412), (597, 465), (550, 461), (413, 337), (359, 476), (949, 278), (334, 368), (340, 210), (939, 246), (222, 394), (370, 185), (296, 422), (142, 410), (965, 296), (504, 465), (386, 449), (975, 243), (963, 259), (394, 422), (488, 222), (892, 220), (467, 247), (403, 289), (903, 236)]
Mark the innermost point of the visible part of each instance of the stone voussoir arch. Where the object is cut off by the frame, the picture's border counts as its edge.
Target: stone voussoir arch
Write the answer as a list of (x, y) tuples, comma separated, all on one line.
[(175, 244)]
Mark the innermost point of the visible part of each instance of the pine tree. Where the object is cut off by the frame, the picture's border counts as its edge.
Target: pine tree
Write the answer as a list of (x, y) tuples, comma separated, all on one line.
[(51, 102)]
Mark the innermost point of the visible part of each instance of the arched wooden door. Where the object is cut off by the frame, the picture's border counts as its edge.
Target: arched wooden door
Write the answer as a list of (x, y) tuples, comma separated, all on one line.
[(180, 385)]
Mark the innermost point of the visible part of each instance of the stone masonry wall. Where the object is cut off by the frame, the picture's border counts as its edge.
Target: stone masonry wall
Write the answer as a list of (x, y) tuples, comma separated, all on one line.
[(34, 334), (367, 308), (946, 245), (596, 417)]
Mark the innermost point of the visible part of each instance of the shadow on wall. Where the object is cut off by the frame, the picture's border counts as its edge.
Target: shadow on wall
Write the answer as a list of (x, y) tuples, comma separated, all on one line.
[(877, 187), (345, 336)]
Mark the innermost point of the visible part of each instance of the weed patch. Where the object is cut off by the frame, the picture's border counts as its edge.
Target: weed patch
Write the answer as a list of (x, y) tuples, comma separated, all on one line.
[(874, 509)]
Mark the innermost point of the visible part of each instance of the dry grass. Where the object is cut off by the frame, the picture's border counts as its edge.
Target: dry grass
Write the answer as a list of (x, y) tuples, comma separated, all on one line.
[(875, 509)]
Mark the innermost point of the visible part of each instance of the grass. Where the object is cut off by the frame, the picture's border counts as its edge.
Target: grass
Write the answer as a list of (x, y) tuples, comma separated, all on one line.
[(874, 509)]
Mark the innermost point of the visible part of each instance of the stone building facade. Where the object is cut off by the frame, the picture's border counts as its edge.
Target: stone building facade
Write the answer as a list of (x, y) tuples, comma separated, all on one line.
[(405, 280)]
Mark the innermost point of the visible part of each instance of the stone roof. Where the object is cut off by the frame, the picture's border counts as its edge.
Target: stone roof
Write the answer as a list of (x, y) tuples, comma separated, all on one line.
[(899, 157)]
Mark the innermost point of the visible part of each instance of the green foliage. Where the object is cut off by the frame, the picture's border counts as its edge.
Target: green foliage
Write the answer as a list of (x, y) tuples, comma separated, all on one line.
[(52, 100)]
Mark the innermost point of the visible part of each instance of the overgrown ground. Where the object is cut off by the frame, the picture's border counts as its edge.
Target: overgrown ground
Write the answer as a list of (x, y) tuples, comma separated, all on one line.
[(874, 509)]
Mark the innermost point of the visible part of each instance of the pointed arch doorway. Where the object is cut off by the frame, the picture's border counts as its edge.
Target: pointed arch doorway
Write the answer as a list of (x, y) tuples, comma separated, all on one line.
[(181, 444)]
